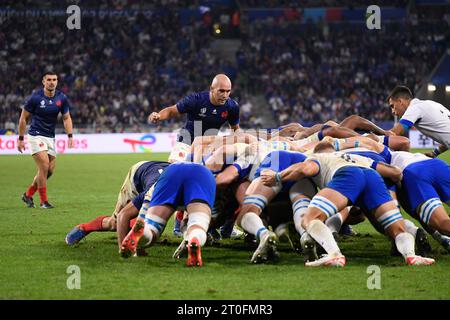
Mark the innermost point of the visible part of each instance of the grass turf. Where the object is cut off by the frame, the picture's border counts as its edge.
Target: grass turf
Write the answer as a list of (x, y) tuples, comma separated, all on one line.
[(35, 259)]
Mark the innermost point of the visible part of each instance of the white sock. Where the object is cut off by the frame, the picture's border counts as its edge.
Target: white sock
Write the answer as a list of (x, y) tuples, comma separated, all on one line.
[(411, 228), (335, 222), (320, 232), (253, 224), (405, 244), (148, 236), (298, 215), (198, 233)]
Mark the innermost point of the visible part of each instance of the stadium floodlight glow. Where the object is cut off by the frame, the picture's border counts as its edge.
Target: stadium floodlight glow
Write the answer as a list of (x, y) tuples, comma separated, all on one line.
[(447, 88), (431, 87)]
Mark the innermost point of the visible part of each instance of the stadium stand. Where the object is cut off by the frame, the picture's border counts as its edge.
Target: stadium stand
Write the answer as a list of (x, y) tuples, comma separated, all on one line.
[(120, 67)]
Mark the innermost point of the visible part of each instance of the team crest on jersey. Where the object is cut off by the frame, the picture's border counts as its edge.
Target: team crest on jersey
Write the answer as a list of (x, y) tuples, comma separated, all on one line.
[(202, 112), (58, 103), (224, 114)]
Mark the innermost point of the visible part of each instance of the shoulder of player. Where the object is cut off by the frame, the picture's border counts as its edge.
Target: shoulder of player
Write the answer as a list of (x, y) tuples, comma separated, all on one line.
[(232, 103)]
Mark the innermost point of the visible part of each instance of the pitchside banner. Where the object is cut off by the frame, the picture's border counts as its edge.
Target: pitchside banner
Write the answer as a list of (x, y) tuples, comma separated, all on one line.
[(101, 143), (138, 143)]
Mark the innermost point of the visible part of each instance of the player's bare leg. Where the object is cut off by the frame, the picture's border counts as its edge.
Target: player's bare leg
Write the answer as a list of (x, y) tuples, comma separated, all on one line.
[(390, 218), (42, 160), (324, 205), (257, 197), (433, 213), (148, 227)]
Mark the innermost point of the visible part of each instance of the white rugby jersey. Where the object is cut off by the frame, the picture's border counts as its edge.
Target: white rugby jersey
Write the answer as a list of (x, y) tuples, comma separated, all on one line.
[(402, 159), (331, 162), (430, 118)]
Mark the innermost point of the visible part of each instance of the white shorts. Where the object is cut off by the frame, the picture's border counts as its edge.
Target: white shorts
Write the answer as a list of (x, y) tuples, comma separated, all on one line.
[(41, 143), (128, 191)]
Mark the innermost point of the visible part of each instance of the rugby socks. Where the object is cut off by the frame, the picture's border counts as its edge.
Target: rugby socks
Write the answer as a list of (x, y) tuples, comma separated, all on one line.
[(405, 244), (411, 228), (300, 207), (94, 225), (198, 233), (253, 224), (43, 194), (334, 223), (31, 191), (323, 236)]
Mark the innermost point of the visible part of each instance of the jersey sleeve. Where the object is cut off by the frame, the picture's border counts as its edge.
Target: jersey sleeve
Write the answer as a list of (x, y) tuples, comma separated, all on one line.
[(65, 105), (30, 104), (233, 118), (411, 115), (187, 104)]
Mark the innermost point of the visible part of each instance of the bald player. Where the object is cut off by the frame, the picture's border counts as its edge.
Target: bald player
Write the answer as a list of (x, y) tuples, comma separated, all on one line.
[(207, 112)]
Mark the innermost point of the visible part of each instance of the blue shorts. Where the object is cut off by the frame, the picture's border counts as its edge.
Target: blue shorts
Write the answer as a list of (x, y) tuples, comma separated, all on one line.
[(363, 187), (278, 161), (183, 183), (425, 180)]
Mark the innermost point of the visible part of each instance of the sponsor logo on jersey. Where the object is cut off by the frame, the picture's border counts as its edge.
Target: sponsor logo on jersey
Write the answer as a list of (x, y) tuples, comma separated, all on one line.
[(42, 104), (214, 111)]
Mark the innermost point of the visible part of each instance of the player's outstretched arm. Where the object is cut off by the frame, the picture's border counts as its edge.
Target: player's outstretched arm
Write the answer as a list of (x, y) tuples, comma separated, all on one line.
[(226, 177), (294, 172), (68, 126), (437, 151), (164, 114), (388, 171), (24, 116)]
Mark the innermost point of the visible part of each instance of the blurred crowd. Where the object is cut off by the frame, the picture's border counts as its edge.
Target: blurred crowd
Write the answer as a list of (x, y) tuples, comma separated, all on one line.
[(116, 70), (332, 71)]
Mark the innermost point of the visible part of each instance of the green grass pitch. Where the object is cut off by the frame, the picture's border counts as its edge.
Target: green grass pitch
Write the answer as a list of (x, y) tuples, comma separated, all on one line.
[(34, 258)]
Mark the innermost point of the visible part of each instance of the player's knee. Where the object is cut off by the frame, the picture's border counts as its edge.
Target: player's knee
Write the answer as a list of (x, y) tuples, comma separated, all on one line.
[(198, 219), (321, 208), (392, 221), (254, 203)]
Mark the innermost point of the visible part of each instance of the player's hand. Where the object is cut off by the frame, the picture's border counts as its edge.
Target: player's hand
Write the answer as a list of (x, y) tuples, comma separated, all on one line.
[(154, 117), (430, 154), (268, 177), (70, 143), (21, 146)]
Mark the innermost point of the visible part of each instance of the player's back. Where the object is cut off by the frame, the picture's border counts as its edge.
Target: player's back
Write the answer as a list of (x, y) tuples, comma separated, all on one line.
[(147, 174)]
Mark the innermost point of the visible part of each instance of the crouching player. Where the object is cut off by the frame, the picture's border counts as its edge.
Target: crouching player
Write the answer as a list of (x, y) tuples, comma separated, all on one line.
[(181, 184), (345, 180), (139, 179)]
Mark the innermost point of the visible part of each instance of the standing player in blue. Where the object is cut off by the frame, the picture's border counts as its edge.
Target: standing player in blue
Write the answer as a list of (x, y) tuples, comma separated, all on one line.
[(207, 112), (189, 185), (43, 106)]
